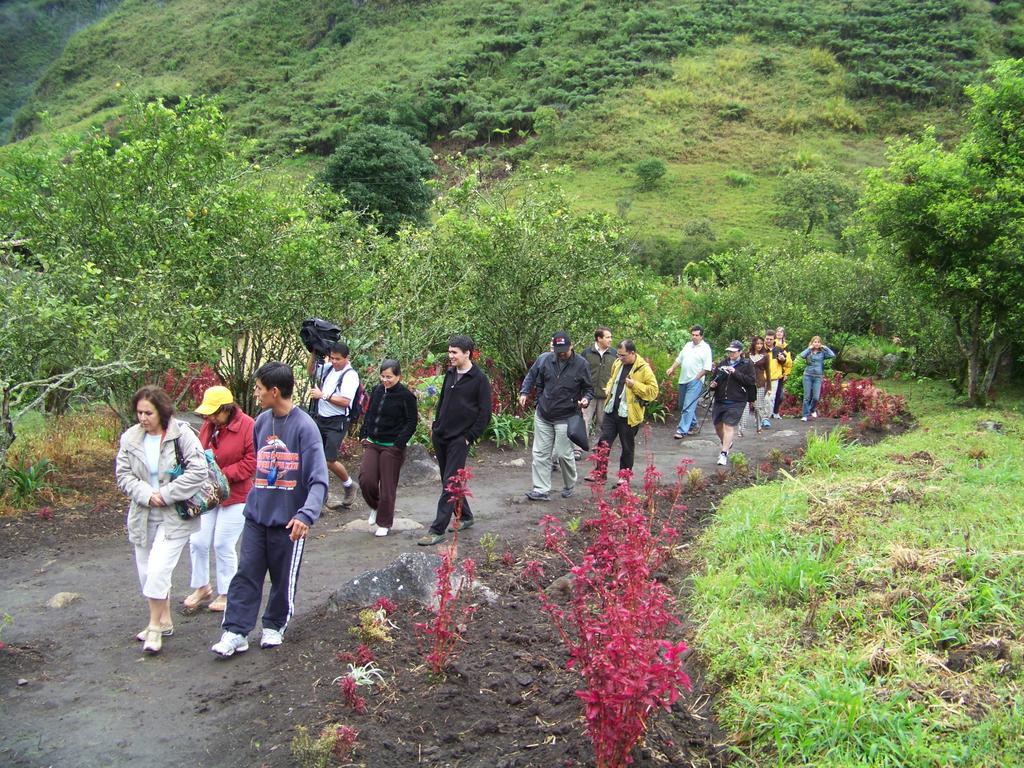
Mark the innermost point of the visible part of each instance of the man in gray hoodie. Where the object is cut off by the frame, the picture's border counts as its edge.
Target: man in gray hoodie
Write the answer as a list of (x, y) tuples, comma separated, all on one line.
[(285, 501)]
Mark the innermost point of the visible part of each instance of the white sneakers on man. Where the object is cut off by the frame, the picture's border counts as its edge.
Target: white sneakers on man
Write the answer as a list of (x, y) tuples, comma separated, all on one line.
[(271, 638), (381, 532), (229, 644), (372, 519)]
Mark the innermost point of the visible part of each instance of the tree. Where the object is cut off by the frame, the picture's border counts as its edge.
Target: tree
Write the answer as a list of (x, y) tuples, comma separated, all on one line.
[(954, 221), (809, 291), (649, 172), (816, 198), (530, 265), (158, 247), (382, 172)]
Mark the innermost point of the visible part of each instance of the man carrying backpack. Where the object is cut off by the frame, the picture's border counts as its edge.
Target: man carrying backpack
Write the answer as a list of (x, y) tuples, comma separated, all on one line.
[(334, 393)]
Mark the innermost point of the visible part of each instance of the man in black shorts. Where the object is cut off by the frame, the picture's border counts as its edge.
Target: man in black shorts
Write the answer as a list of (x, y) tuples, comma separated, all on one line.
[(733, 377), (336, 385)]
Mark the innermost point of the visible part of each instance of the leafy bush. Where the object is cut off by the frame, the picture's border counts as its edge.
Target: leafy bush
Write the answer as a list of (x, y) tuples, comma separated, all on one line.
[(738, 179), (508, 429), (382, 172), (649, 172)]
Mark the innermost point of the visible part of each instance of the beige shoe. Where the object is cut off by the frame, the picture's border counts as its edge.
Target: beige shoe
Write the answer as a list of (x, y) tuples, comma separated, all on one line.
[(165, 629), (349, 497), (197, 598), (219, 605), (153, 641)]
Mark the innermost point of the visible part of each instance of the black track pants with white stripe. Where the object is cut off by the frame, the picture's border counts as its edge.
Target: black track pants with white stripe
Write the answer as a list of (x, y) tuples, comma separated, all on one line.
[(264, 549)]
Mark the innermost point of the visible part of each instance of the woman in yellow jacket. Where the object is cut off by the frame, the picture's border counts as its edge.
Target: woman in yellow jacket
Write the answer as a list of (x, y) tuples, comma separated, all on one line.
[(631, 385), (780, 363)]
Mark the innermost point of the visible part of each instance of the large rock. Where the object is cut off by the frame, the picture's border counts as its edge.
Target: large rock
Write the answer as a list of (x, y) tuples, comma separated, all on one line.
[(419, 467), (411, 577)]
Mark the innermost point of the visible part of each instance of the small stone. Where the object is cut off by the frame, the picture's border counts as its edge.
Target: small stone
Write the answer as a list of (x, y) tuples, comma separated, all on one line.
[(22, 681), (62, 599), (514, 463), (523, 679)]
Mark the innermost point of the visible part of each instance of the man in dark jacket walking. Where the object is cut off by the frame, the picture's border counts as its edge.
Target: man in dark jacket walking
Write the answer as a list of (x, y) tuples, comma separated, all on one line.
[(734, 377), (463, 412), (563, 386)]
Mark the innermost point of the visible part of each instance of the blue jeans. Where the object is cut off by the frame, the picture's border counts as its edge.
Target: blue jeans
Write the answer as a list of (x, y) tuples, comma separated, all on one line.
[(689, 394), (812, 391)]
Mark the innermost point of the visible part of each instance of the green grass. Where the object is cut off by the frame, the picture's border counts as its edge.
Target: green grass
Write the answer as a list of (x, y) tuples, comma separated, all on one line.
[(833, 605), (723, 170)]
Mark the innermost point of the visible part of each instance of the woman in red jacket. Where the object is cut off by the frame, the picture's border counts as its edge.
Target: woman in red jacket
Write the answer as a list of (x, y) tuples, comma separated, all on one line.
[(229, 432)]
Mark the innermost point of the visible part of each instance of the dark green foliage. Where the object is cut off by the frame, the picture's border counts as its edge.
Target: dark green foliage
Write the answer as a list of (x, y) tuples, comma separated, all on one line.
[(382, 172), (649, 172)]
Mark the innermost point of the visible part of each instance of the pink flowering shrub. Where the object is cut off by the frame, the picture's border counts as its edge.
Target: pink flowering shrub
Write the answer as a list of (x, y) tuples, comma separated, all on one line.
[(616, 624), (843, 399), (444, 633)]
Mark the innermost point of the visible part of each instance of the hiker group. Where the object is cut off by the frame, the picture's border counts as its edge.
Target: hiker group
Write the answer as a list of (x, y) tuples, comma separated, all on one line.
[(274, 469)]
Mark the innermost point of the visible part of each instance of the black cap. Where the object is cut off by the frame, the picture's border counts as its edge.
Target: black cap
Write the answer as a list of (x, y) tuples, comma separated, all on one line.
[(561, 341), (735, 345)]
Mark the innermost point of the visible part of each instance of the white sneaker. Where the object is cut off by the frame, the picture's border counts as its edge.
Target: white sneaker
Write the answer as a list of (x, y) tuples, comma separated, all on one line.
[(814, 414), (723, 459), (381, 532), (803, 418), (372, 519), (229, 644), (776, 415), (271, 638)]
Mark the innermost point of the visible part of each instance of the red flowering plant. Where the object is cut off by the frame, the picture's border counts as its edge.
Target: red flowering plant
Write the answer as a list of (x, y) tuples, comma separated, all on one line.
[(843, 399), (616, 625), (191, 383), (453, 611)]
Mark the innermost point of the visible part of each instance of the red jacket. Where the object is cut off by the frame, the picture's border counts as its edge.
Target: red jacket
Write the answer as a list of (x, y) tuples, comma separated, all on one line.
[(234, 453)]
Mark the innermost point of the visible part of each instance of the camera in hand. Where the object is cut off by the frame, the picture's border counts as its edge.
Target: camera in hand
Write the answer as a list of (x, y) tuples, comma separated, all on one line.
[(720, 377)]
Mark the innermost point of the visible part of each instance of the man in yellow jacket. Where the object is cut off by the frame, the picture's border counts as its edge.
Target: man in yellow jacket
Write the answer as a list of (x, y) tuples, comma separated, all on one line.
[(631, 385)]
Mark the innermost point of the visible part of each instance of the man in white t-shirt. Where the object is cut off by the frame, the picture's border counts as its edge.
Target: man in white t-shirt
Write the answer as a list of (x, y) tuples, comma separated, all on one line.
[(336, 385), (694, 362)]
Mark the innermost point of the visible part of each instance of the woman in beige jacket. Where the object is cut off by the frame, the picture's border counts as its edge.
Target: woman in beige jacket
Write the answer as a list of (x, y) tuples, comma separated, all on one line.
[(144, 462)]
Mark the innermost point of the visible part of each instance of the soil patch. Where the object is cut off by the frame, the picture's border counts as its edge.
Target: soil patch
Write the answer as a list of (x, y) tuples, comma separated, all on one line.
[(509, 700)]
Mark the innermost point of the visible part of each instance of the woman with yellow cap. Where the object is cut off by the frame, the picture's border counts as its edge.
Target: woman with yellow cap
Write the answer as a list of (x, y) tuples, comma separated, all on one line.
[(229, 432)]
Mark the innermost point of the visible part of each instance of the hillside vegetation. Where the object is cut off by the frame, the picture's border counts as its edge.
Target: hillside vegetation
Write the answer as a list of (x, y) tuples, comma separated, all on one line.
[(32, 34), (728, 95)]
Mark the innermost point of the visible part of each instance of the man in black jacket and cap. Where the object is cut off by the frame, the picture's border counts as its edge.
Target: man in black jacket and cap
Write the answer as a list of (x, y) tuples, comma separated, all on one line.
[(563, 387)]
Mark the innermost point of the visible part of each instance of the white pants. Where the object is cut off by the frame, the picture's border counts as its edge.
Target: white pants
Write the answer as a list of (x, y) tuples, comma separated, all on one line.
[(221, 528), (156, 562)]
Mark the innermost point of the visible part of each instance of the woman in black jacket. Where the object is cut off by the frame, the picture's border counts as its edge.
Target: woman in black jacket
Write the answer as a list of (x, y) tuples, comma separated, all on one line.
[(389, 423)]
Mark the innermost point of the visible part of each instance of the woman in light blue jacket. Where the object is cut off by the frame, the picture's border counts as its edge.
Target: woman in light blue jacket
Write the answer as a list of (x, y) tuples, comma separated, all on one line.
[(816, 354)]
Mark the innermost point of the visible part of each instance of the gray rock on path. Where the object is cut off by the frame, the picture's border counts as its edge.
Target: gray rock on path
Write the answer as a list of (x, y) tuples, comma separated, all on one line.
[(62, 599), (399, 524), (411, 577), (419, 467)]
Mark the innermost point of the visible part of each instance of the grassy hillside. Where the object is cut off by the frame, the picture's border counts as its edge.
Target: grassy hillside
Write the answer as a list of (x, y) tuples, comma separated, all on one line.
[(728, 95), (867, 611), (32, 34)]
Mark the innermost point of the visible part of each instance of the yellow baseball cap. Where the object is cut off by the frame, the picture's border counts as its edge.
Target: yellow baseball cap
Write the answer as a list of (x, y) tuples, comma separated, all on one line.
[(214, 398)]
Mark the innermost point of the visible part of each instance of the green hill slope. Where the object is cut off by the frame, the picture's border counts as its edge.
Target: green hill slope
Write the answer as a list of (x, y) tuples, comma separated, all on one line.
[(727, 94), (32, 34)]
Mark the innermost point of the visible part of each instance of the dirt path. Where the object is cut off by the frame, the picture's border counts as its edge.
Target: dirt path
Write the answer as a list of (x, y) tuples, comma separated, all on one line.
[(89, 697)]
